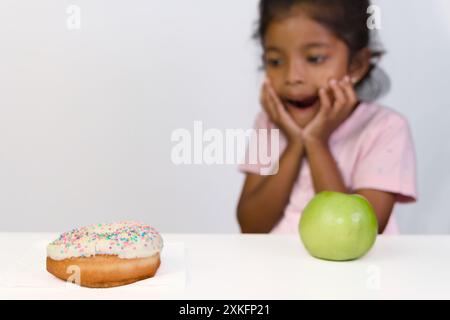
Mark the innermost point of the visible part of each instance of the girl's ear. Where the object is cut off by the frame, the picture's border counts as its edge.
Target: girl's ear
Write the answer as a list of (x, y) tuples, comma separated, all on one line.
[(360, 65)]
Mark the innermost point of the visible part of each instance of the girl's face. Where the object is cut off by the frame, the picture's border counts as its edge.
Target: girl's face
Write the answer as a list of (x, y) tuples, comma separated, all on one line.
[(301, 56)]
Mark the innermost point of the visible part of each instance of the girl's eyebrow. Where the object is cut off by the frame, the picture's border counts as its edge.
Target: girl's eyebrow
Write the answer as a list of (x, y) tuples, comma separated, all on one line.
[(271, 48), (307, 46), (315, 45)]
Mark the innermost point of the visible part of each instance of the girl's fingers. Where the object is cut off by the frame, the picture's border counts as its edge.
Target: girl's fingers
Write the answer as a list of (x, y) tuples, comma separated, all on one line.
[(262, 94), (272, 109), (264, 98), (352, 97), (278, 105), (325, 101), (339, 95)]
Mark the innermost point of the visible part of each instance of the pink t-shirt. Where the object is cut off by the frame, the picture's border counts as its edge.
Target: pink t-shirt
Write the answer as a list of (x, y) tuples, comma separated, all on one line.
[(373, 149)]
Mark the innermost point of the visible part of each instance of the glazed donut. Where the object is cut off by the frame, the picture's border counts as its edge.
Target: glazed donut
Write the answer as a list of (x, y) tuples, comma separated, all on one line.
[(106, 255)]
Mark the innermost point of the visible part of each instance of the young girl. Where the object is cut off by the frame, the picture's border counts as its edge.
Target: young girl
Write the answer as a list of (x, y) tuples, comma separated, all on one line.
[(317, 56)]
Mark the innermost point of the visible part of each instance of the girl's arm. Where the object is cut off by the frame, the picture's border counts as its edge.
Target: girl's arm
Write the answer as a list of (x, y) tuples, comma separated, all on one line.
[(324, 170), (264, 198), (326, 176), (325, 173), (383, 203)]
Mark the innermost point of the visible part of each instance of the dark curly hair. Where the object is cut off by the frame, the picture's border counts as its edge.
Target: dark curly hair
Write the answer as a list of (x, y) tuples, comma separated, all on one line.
[(347, 20)]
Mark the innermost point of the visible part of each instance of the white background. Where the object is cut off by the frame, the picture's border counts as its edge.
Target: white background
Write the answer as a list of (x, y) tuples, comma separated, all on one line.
[(86, 115)]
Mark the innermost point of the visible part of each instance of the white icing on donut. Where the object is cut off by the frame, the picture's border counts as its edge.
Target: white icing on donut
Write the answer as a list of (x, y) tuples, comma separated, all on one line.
[(127, 240)]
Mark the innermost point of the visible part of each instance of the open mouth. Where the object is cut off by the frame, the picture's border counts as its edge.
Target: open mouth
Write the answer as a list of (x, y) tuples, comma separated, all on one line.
[(302, 104)]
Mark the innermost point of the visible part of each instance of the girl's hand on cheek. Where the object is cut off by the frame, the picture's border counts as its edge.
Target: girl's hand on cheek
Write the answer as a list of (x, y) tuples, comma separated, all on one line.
[(336, 104), (278, 114)]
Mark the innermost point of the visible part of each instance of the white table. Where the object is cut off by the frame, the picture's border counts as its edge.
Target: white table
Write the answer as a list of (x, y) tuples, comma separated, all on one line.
[(276, 267)]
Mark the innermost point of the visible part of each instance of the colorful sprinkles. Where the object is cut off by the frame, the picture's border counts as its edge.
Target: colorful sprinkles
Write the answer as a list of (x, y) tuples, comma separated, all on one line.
[(127, 239)]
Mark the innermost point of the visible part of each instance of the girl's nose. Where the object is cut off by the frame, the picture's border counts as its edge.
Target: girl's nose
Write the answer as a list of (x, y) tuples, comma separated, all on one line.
[(295, 74)]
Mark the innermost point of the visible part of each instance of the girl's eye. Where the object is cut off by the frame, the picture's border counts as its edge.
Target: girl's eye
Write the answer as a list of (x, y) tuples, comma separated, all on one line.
[(316, 59), (273, 62)]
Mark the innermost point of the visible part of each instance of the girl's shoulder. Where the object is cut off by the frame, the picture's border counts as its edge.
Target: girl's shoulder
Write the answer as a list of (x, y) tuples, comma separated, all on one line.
[(375, 113), (369, 120), (373, 116), (262, 121)]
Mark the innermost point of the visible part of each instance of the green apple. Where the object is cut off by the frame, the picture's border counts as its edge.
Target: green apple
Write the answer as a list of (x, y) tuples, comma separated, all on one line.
[(337, 226)]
